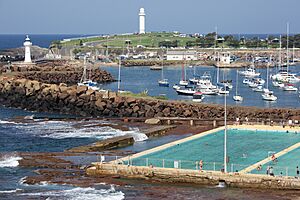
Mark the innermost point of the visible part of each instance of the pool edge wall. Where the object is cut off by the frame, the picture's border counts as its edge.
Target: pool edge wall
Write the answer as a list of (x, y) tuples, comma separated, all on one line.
[(169, 175)]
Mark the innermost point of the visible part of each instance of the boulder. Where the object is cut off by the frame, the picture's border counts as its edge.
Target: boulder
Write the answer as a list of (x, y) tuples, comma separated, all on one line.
[(152, 121), (81, 89)]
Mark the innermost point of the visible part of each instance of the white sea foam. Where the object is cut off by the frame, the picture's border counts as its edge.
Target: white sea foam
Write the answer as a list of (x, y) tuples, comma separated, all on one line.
[(7, 122), (138, 136), (10, 161), (10, 191), (22, 181), (79, 193), (76, 129)]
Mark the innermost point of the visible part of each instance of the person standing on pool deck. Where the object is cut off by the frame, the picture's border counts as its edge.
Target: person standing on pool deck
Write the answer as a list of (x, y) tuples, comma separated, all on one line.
[(271, 171), (297, 171), (200, 164), (268, 170)]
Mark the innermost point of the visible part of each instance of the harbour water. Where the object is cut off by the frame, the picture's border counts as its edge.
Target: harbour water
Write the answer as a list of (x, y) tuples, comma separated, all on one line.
[(138, 79)]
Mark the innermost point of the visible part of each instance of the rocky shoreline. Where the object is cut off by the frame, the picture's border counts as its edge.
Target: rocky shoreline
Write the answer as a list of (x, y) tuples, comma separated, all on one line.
[(79, 100), (56, 72)]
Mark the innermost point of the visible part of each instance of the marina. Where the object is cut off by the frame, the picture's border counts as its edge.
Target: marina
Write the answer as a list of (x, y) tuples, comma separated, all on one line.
[(138, 79)]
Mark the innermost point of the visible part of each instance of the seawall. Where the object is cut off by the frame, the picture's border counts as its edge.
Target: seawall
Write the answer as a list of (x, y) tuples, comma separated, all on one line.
[(79, 100), (170, 175)]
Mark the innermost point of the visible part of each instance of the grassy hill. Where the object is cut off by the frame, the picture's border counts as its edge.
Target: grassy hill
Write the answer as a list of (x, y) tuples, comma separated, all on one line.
[(146, 40)]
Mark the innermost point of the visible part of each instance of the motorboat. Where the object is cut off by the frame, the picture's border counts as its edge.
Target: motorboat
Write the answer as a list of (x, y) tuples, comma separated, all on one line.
[(186, 91), (252, 84), (238, 98), (259, 81), (208, 91), (176, 87), (205, 82), (277, 84), (194, 80), (156, 67), (250, 72), (259, 88), (223, 91), (163, 83), (227, 85), (198, 97), (183, 83), (285, 76), (290, 87), (269, 96), (246, 81)]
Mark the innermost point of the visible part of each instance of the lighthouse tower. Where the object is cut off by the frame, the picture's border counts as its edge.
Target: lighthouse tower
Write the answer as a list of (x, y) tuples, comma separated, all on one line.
[(27, 45), (142, 21)]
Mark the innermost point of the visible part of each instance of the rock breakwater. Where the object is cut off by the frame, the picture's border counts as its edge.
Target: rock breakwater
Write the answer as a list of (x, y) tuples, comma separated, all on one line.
[(79, 100), (57, 71)]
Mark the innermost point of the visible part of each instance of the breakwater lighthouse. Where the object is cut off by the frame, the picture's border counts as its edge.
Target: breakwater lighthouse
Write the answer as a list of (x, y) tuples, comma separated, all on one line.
[(27, 45), (142, 21)]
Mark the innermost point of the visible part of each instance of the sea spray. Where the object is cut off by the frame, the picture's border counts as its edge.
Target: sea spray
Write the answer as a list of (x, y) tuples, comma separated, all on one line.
[(77, 193), (137, 135), (9, 160)]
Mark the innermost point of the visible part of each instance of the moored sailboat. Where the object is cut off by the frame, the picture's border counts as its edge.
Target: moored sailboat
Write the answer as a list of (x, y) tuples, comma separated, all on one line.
[(237, 97)]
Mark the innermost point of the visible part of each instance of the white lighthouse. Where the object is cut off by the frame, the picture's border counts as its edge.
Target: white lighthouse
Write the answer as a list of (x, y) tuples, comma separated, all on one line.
[(27, 45), (142, 21)]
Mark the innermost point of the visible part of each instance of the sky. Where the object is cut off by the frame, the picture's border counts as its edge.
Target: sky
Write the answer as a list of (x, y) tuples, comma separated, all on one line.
[(121, 16)]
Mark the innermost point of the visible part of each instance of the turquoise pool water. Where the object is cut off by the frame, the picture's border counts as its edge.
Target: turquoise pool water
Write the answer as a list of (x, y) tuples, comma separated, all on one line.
[(286, 164), (244, 147)]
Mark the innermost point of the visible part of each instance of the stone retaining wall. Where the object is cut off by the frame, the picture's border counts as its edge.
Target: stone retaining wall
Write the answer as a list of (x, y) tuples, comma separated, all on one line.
[(80, 100), (195, 176)]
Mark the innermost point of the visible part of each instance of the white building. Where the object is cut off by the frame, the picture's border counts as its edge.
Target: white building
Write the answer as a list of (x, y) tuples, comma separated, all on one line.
[(182, 55), (142, 21), (225, 58), (27, 45)]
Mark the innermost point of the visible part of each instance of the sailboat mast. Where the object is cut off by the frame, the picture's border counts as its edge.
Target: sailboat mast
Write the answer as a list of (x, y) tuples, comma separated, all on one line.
[(218, 70), (293, 53), (119, 75), (83, 78), (268, 77), (280, 54), (183, 75), (162, 69), (287, 47), (236, 84)]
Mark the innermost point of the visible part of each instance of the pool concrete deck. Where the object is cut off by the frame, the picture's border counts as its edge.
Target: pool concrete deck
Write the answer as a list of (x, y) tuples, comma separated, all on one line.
[(266, 127), (240, 179)]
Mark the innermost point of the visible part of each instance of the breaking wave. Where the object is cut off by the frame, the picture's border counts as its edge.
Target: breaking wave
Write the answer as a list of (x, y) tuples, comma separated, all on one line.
[(77, 129), (9, 161), (10, 191), (79, 193)]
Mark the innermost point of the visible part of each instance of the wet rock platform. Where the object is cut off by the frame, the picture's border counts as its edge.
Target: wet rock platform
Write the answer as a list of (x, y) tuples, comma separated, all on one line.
[(121, 141)]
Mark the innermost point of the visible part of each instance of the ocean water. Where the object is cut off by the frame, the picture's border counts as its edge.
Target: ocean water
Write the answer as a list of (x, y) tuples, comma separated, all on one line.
[(138, 79), (57, 135), (8, 41)]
